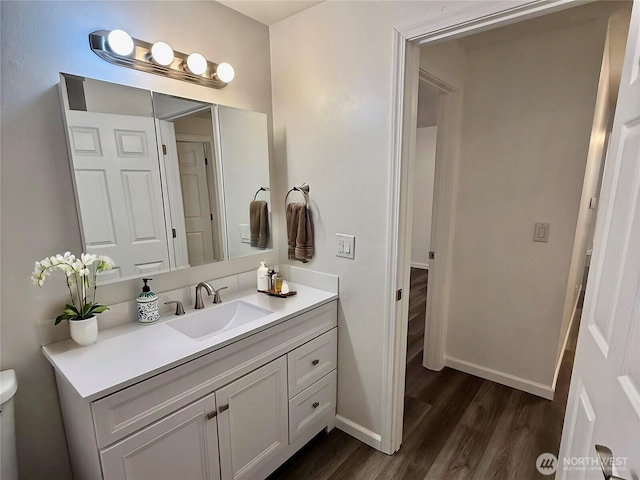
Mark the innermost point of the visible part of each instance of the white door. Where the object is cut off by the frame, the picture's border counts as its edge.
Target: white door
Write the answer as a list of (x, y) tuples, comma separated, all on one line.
[(118, 188), (253, 421), (604, 400), (195, 199), (183, 445)]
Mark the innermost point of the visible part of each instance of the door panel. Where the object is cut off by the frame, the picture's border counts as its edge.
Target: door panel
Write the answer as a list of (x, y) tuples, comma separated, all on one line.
[(197, 205), (604, 399), (254, 428), (183, 445), (117, 179)]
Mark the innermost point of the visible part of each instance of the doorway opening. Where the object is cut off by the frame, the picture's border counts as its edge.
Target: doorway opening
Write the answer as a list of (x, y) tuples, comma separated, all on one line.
[(509, 292)]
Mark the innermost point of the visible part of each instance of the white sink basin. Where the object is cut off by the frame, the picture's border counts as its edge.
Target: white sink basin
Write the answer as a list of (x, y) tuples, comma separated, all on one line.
[(217, 319)]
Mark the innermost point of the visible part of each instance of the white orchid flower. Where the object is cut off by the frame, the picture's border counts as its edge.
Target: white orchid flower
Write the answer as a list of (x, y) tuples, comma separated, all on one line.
[(88, 258)]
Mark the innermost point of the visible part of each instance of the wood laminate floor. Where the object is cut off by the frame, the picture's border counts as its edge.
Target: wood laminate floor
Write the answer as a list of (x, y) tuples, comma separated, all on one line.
[(456, 426)]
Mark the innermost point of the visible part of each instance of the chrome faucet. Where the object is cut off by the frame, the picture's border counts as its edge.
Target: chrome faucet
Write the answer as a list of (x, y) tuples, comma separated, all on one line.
[(216, 296), (208, 288)]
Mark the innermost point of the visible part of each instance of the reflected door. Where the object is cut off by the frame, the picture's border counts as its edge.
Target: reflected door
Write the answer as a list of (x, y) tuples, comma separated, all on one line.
[(195, 198), (116, 170)]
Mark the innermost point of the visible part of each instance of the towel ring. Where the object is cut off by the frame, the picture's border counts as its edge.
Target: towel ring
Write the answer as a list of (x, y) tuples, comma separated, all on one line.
[(261, 189), (303, 189)]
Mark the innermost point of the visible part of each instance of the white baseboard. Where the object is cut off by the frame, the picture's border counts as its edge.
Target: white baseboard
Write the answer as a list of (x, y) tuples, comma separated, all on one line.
[(538, 389), (358, 431), (423, 266), (566, 338)]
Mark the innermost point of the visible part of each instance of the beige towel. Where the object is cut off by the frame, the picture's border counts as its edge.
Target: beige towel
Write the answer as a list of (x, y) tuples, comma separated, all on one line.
[(299, 232), (259, 223)]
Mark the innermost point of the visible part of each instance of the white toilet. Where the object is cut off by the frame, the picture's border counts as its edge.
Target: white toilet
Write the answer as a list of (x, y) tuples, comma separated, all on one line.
[(8, 457)]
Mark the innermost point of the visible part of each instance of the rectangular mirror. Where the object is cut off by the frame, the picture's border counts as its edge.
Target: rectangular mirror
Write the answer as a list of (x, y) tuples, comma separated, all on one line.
[(164, 183)]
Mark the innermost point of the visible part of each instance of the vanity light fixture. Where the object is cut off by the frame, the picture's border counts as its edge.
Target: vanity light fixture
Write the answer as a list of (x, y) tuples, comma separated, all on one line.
[(196, 64), (119, 48), (162, 54), (120, 42)]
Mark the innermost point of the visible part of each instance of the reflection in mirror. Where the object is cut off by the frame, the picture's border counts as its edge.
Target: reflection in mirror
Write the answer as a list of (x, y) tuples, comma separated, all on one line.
[(112, 146), (165, 183), (243, 146), (191, 174)]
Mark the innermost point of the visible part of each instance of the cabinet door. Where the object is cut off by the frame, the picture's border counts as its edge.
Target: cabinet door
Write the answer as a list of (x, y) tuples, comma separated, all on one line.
[(183, 445), (253, 420)]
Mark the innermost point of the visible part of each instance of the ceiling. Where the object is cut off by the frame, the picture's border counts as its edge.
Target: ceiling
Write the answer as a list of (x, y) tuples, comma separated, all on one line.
[(269, 12)]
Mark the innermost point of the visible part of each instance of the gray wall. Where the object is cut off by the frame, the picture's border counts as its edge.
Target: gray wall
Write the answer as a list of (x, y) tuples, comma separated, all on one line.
[(40, 39), (528, 111)]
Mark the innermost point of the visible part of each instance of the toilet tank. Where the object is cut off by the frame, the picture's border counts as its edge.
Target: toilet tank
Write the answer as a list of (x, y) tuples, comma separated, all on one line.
[(8, 457)]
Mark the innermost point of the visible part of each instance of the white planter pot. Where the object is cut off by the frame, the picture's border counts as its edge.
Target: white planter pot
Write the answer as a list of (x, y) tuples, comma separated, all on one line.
[(84, 332)]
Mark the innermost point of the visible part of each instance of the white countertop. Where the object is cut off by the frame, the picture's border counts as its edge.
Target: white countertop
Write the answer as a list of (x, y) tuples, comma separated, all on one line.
[(130, 353)]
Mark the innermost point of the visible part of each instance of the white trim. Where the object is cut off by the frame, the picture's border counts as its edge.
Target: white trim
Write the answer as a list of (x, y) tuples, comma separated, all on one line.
[(566, 339), (471, 19), (359, 432), (422, 266), (393, 370), (519, 383), (480, 17)]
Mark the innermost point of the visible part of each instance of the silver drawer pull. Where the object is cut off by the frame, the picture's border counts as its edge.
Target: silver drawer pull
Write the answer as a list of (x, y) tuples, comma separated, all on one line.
[(315, 362), (223, 408), (315, 404), (212, 415)]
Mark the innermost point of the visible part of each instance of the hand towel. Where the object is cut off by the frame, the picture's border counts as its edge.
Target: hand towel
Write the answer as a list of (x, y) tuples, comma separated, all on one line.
[(299, 232), (259, 223)]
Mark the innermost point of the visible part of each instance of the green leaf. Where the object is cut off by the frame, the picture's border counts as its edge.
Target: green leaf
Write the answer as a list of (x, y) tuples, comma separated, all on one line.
[(97, 308), (73, 308), (59, 318), (86, 310)]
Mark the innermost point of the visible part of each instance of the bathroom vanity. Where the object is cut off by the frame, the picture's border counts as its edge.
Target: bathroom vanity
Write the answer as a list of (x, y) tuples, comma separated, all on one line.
[(151, 401)]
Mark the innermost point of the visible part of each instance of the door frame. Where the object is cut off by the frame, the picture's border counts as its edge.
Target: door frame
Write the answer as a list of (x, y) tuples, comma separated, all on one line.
[(406, 61)]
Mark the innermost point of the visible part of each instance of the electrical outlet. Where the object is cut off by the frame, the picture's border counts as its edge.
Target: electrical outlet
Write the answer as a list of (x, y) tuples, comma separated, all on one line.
[(345, 245)]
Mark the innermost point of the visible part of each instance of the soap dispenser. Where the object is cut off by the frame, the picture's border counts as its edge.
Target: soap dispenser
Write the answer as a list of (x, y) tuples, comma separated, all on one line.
[(147, 301)]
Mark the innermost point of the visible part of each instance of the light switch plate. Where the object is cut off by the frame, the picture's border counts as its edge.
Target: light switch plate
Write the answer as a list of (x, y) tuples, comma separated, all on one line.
[(345, 245), (541, 233)]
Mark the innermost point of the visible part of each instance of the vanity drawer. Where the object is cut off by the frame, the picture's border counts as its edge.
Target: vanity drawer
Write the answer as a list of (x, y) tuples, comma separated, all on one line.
[(312, 405), (312, 361)]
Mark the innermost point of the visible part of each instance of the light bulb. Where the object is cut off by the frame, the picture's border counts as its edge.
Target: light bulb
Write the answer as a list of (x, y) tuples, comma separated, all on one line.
[(196, 64), (225, 72), (162, 53), (120, 42)]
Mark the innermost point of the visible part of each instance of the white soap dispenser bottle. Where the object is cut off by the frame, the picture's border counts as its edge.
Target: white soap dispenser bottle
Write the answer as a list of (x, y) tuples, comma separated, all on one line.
[(147, 301), (263, 274)]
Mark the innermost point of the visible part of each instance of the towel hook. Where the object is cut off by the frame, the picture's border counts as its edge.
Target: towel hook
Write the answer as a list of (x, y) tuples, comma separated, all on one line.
[(303, 189), (261, 189)]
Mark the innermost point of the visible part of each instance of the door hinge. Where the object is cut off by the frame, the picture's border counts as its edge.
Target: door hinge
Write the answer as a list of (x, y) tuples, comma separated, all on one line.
[(174, 233), (211, 216), (164, 149), (206, 161), (399, 295), (432, 255)]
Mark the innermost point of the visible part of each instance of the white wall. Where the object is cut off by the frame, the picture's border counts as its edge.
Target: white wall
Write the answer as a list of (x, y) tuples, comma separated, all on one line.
[(332, 94), (587, 216), (423, 196), (40, 39), (528, 110)]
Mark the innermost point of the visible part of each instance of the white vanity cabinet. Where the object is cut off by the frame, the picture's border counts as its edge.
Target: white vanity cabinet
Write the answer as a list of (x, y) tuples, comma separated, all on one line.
[(181, 445), (252, 421), (237, 412)]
